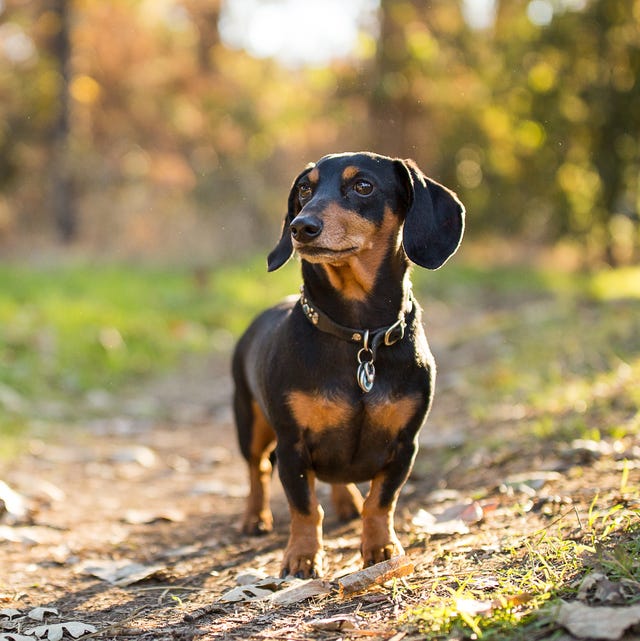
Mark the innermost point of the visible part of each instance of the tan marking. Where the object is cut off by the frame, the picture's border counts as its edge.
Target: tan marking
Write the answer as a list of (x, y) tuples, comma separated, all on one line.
[(379, 540), (258, 517), (355, 277), (347, 501), (304, 553), (393, 414), (316, 411), (314, 175), (353, 274), (349, 172)]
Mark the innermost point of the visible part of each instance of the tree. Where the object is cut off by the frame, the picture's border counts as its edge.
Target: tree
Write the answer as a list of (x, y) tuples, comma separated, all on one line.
[(62, 182)]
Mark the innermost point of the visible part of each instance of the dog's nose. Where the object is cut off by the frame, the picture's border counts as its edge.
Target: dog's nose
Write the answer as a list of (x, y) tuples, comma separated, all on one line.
[(306, 228)]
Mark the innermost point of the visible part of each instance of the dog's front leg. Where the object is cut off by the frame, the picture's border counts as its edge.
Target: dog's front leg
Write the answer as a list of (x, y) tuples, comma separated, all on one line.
[(379, 540), (303, 557)]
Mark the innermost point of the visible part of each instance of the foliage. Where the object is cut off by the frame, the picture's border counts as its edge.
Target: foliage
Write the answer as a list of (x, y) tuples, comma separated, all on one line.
[(69, 330), (180, 143), (526, 589)]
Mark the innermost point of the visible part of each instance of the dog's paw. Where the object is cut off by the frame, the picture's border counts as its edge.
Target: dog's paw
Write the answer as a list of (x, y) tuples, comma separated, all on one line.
[(302, 564), (376, 551), (257, 524)]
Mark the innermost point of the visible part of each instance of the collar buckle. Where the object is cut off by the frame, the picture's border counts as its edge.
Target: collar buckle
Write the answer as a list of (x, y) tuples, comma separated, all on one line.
[(395, 333)]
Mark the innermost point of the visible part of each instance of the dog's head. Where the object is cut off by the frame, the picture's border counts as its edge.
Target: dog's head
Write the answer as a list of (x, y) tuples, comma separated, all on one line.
[(338, 208)]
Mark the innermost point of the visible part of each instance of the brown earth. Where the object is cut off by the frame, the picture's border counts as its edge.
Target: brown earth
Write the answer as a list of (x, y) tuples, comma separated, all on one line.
[(168, 491)]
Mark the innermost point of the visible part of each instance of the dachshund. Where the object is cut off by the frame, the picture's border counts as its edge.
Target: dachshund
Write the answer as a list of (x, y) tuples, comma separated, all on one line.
[(335, 384)]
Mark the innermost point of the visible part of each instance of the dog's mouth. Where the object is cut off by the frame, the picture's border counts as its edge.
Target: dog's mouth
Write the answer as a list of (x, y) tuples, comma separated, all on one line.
[(315, 253)]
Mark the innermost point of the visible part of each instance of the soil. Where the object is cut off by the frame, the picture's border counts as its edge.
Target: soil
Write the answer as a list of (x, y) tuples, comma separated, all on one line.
[(165, 488)]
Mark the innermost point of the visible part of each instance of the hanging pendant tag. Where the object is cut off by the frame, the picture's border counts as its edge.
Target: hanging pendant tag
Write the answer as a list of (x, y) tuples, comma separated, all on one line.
[(366, 370), (366, 375)]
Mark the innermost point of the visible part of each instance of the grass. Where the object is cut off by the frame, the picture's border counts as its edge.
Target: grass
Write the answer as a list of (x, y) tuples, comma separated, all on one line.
[(516, 598), (68, 329)]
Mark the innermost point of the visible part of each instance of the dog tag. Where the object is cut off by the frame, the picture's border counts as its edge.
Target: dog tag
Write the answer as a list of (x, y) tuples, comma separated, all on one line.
[(366, 374)]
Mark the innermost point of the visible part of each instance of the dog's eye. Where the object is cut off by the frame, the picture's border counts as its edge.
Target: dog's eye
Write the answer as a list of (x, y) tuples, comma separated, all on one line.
[(304, 192), (363, 187)]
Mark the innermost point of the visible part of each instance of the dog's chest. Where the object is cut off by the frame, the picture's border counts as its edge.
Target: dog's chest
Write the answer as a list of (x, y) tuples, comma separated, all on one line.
[(348, 439), (321, 411)]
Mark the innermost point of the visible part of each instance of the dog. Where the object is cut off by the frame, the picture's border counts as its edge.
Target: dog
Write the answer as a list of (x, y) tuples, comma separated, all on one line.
[(335, 384)]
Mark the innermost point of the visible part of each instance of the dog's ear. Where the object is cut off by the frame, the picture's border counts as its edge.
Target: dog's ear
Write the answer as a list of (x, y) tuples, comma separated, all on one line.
[(434, 221), (283, 250)]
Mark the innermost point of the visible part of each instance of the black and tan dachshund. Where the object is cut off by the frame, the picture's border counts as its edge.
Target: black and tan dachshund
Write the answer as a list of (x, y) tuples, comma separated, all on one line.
[(338, 381)]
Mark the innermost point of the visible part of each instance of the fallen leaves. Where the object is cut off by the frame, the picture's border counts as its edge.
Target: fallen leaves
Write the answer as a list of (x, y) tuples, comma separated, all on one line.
[(276, 591), (453, 520), (121, 572), (55, 631), (597, 588), (13, 506), (281, 592), (587, 618), (600, 622), (334, 624), (15, 624)]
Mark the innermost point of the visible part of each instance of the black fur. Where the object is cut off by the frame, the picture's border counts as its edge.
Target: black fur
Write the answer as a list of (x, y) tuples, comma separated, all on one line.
[(337, 432)]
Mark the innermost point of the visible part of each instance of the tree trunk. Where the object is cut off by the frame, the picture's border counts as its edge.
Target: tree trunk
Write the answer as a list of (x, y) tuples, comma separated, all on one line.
[(205, 15), (62, 183)]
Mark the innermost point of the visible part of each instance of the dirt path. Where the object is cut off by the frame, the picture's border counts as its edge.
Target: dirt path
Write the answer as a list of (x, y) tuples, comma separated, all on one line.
[(168, 493)]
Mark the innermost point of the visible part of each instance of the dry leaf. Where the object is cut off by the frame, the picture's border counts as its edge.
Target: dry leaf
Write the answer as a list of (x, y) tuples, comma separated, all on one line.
[(10, 613), (12, 504), (608, 623), (474, 607), (334, 624), (121, 572), (250, 576), (375, 575), (38, 614), (277, 591), (300, 591), (245, 593), (55, 631), (430, 524), (146, 517), (596, 587), (530, 483), (140, 454), (468, 512), (272, 583)]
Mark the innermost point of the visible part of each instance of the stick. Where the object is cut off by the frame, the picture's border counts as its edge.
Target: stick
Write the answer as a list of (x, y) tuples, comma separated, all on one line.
[(375, 575)]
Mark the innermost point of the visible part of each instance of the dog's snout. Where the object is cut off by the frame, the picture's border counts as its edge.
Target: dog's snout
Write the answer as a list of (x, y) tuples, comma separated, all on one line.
[(305, 228)]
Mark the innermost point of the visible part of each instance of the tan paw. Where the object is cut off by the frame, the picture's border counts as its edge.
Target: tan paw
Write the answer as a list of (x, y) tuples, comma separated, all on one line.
[(376, 551), (257, 524), (301, 563)]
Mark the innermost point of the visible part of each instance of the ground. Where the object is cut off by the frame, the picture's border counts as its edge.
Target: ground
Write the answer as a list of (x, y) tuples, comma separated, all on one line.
[(165, 489)]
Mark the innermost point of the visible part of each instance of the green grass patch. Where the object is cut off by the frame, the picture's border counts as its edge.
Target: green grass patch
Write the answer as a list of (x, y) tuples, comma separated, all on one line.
[(516, 594), (70, 328), (564, 353)]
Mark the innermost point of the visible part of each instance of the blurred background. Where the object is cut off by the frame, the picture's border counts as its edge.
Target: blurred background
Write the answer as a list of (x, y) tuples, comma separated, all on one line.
[(147, 148), (172, 128)]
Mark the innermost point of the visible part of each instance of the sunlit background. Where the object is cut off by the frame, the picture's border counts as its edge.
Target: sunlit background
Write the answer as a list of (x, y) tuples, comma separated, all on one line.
[(139, 127)]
